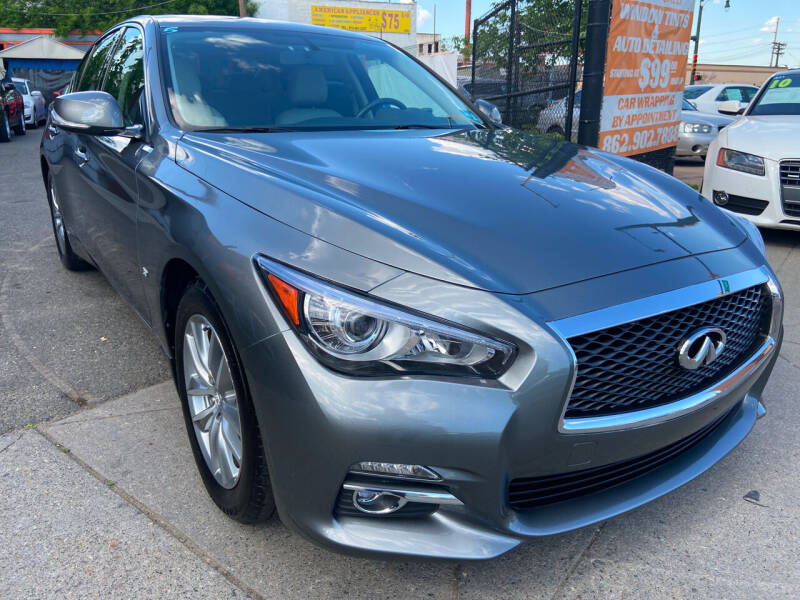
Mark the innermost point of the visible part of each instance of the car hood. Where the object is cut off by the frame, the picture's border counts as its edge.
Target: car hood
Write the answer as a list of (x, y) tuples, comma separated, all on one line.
[(696, 116), (498, 210), (770, 136)]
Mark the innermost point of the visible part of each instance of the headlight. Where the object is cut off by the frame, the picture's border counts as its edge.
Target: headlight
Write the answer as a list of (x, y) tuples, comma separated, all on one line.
[(697, 128), (357, 335), (740, 161)]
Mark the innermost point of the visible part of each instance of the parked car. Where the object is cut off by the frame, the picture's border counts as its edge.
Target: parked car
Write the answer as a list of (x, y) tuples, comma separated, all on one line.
[(708, 97), (413, 332), (553, 117), (35, 109), (753, 167), (697, 130), (12, 116)]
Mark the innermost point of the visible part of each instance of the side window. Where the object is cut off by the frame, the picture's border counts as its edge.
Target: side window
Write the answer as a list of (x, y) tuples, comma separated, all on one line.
[(731, 93), (747, 93), (125, 78), (91, 76)]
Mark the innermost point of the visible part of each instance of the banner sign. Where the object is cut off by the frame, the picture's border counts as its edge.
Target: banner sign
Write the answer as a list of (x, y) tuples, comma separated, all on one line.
[(648, 46), (362, 19)]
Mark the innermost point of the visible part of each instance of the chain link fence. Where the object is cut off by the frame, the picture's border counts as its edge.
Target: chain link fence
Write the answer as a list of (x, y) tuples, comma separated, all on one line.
[(527, 59)]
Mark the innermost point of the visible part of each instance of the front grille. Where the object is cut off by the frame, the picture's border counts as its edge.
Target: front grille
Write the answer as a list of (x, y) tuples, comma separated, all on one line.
[(790, 187), (530, 492), (635, 365), (745, 205)]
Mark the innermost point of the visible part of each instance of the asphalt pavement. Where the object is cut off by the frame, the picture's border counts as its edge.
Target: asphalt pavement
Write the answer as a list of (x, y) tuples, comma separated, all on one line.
[(99, 495)]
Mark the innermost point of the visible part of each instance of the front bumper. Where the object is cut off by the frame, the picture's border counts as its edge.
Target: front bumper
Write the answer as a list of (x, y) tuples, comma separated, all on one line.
[(694, 144), (318, 423), (756, 193)]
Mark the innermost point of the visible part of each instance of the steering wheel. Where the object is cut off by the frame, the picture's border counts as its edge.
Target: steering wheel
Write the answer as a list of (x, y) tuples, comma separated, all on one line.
[(378, 102)]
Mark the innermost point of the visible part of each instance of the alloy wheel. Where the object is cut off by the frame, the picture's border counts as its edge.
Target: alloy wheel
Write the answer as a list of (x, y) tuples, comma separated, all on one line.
[(212, 400)]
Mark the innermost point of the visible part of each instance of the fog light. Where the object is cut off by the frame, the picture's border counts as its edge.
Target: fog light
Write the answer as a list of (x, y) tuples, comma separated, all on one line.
[(395, 470), (720, 198), (374, 502)]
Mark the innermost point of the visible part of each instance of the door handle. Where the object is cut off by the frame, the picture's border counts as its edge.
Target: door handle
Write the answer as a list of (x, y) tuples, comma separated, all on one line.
[(80, 154)]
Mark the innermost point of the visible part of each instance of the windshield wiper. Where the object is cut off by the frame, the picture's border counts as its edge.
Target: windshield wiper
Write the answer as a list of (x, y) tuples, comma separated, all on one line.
[(242, 130)]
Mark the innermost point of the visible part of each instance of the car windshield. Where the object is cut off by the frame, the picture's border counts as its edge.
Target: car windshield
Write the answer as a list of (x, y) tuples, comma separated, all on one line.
[(693, 91), (21, 86), (781, 97), (268, 79), (688, 105)]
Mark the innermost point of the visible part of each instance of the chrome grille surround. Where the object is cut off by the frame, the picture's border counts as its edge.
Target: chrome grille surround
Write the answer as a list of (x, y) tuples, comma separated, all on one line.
[(754, 359), (790, 187)]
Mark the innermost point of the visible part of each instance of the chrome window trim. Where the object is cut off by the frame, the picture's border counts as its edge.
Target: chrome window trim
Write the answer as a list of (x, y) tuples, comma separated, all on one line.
[(653, 306)]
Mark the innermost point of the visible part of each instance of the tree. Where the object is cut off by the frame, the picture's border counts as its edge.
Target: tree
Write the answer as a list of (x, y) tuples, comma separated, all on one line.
[(543, 34), (98, 15)]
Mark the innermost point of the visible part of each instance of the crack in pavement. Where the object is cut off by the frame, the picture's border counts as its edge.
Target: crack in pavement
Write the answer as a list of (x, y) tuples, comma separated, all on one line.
[(82, 417), (7, 446), (162, 522), (577, 561), (48, 374)]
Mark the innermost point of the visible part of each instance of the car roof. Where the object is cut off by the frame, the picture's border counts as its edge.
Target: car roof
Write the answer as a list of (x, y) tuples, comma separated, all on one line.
[(239, 24)]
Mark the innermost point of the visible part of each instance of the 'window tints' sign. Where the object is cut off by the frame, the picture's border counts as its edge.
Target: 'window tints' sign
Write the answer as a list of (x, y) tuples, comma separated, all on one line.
[(648, 44)]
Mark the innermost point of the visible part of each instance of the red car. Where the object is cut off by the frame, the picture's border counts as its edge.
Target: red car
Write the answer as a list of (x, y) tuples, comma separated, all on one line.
[(13, 114)]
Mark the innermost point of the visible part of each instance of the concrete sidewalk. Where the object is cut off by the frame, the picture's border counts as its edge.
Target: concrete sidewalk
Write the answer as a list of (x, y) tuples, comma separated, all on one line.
[(67, 530)]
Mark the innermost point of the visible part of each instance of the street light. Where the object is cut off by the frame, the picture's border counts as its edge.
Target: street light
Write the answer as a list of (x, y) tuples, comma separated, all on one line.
[(697, 39), (697, 36)]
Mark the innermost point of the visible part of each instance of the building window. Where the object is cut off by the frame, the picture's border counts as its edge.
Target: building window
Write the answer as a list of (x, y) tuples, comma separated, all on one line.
[(429, 48), (436, 46), (421, 48)]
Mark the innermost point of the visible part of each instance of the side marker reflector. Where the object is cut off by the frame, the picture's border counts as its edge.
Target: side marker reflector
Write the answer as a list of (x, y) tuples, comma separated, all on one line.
[(288, 297)]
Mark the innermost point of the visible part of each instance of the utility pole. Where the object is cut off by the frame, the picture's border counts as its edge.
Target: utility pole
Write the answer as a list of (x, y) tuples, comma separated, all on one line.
[(467, 22), (696, 41), (777, 48), (242, 8)]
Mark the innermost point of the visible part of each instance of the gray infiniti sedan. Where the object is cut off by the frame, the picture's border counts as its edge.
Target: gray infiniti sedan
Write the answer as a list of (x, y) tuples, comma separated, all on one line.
[(408, 329)]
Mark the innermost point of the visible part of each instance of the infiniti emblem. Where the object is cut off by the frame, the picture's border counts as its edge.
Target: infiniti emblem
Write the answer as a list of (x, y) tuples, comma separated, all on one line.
[(701, 348)]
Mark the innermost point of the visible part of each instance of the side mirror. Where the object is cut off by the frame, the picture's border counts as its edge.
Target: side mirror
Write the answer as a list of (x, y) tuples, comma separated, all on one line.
[(730, 107), (36, 93), (8, 86), (93, 113), (490, 110)]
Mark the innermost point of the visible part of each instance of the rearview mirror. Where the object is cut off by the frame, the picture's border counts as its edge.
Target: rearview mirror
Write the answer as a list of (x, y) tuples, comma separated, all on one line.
[(490, 110), (730, 107), (93, 113)]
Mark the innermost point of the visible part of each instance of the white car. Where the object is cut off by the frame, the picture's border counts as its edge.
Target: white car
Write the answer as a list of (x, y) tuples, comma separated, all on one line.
[(708, 97), (35, 107), (753, 166), (698, 130)]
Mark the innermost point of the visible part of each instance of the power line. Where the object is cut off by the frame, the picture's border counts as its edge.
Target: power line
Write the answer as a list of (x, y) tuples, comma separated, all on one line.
[(91, 14)]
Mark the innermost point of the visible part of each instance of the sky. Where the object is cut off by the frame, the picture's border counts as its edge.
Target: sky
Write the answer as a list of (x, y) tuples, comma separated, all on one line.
[(741, 35)]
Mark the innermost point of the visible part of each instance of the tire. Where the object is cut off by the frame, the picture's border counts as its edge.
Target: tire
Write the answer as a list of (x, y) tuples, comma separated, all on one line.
[(245, 494), (20, 127), (70, 260), (5, 128)]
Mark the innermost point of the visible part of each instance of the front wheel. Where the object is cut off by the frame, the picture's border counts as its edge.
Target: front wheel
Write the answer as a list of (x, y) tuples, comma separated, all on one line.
[(19, 129), (5, 128), (220, 418)]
